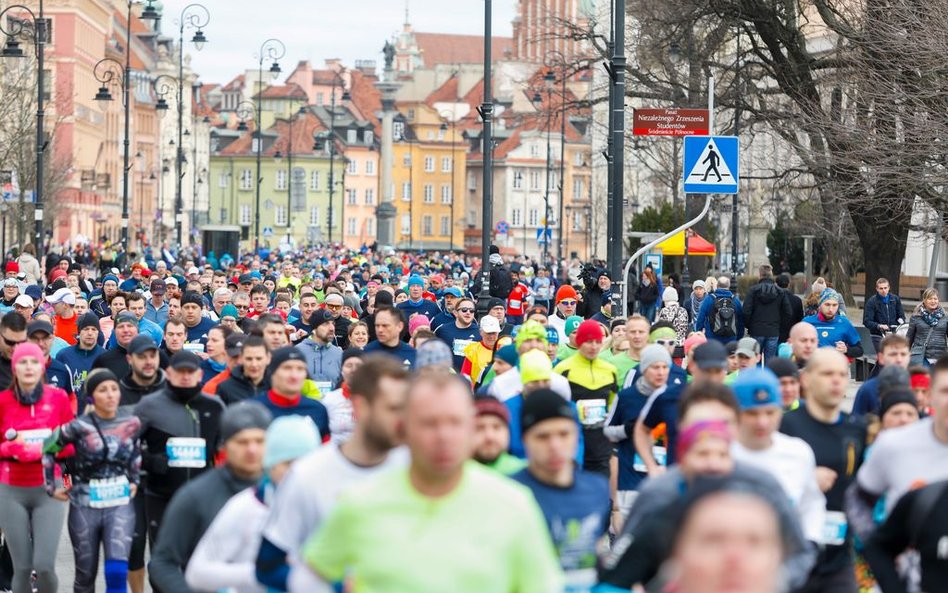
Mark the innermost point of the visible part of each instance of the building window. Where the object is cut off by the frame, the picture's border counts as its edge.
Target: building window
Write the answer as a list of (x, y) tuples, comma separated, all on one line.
[(281, 179), (534, 219), (370, 197), (534, 180), (314, 181), (577, 217), (398, 130), (351, 226), (352, 136), (579, 159), (370, 167), (406, 191), (518, 179), (351, 197), (516, 218), (280, 216), (368, 137), (370, 227), (578, 189), (246, 179), (406, 159), (222, 179), (245, 214), (314, 216), (406, 224), (411, 114), (471, 181), (353, 167), (320, 99), (445, 225), (446, 164), (534, 150), (426, 225), (429, 164), (429, 193), (445, 193)]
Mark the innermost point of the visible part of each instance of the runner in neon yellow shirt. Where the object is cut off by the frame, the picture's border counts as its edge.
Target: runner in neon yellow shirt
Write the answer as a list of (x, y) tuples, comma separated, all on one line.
[(445, 523)]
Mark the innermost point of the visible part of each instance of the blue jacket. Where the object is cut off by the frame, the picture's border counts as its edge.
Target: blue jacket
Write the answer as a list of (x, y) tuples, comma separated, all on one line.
[(78, 363), (424, 306), (704, 316), (878, 311), (837, 329), (867, 398)]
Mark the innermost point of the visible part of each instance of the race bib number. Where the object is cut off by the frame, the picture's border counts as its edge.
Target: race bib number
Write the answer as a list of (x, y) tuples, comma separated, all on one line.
[(835, 528), (110, 492), (324, 387), (515, 304), (460, 345), (659, 453), (35, 436), (592, 412), (186, 452), (194, 347)]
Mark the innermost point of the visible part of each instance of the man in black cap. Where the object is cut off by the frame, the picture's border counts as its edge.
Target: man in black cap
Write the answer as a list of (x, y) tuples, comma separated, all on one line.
[(196, 325), (41, 333), (567, 495), (243, 432), (79, 359), (145, 375), (156, 309), (285, 398), (708, 362), (180, 434)]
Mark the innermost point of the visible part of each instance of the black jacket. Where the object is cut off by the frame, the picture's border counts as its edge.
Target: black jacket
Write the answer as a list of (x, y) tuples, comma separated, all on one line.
[(238, 387), (764, 307), (647, 295), (187, 519), (877, 312), (132, 392), (114, 360), (164, 416), (796, 314), (501, 283)]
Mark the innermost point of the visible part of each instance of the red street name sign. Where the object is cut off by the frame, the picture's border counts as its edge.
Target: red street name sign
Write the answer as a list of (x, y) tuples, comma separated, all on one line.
[(670, 122)]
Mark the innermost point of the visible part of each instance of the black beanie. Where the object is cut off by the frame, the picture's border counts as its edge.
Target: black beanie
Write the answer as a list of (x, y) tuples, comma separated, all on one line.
[(351, 353), (88, 320), (243, 416), (783, 367), (96, 378), (383, 298), (543, 404), (895, 396)]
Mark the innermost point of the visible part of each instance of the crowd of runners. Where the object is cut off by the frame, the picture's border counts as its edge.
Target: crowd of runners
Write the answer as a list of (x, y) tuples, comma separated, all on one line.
[(335, 420)]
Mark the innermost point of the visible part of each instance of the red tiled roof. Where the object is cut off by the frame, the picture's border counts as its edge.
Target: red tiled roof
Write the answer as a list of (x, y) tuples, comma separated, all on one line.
[(444, 48), (366, 99), (446, 93), (303, 128), (236, 84), (283, 91)]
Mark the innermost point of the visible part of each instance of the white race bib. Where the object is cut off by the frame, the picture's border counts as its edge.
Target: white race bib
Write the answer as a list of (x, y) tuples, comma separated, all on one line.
[(109, 492), (324, 387), (659, 453), (35, 436), (460, 345), (592, 412), (186, 452), (835, 528)]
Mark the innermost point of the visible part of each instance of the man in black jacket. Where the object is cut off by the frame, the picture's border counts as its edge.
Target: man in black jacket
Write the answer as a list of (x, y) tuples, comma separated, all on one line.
[(145, 375), (764, 307), (883, 312), (243, 431), (796, 308), (180, 435), (250, 378)]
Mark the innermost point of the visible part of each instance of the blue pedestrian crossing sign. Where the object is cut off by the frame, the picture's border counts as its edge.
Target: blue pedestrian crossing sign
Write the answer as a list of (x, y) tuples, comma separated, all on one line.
[(712, 164), (544, 235)]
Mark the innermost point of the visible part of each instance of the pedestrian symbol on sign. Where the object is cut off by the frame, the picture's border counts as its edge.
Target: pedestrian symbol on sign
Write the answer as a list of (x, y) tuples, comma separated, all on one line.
[(711, 164)]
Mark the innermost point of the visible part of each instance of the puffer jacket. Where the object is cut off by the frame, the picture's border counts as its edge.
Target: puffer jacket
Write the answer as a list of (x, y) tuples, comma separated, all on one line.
[(927, 341), (678, 317), (30, 266), (765, 305)]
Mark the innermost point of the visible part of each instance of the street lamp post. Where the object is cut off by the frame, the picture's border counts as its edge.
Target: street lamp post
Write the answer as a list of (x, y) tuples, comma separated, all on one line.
[(289, 173), (330, 137), (486, 111), (106, 71), (272, 49), (37, 33)]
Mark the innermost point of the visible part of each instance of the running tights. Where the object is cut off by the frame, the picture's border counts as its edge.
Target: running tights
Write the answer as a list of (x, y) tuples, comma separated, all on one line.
[(32, 523), (110, 528)]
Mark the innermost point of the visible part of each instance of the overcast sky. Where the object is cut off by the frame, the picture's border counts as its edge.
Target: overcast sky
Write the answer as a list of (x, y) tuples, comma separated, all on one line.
[(347, 29)]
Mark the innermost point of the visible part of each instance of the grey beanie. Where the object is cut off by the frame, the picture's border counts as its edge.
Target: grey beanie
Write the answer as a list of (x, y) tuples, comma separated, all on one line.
[(432, 353), (242, 416), (892, 377), (652, 354)]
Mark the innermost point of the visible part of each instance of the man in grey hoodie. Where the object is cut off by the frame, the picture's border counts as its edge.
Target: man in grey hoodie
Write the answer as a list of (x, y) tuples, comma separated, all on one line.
[(323, 358)]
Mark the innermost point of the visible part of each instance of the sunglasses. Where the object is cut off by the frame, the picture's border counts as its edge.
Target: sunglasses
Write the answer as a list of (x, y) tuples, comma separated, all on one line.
[(334, 307), (10, 342), (568, 302), (465, 310), (665, 342), (242, 306)]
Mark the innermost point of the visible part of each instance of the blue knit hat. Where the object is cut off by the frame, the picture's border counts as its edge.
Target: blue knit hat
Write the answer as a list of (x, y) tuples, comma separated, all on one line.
[(288, 438), (416, 281)]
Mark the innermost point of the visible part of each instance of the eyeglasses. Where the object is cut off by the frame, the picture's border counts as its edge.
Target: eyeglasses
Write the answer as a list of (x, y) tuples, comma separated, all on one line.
[(242, 306), (666, 342), (465, 310), (568, 302), (334, 307), (10, 342)]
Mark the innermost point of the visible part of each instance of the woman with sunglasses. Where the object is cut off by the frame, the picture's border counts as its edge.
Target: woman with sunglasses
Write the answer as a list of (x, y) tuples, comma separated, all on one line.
[(462, 333), (30, 519)]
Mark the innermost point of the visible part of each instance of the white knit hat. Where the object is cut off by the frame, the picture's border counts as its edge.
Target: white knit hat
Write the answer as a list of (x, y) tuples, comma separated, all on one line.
[(670, 295)]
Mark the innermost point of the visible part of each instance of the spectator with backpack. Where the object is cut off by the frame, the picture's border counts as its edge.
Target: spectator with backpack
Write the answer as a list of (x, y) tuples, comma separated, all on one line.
[(721, 316)]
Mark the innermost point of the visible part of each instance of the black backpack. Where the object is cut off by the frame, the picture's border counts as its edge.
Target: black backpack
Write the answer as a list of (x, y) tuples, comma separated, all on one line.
[(723, 318)]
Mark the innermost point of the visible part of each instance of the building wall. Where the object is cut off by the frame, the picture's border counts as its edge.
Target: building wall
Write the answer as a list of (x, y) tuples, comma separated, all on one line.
[(360, 197)]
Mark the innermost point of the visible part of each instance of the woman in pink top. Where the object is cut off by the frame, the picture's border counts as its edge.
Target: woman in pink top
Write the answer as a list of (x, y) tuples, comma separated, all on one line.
[(29, 412)]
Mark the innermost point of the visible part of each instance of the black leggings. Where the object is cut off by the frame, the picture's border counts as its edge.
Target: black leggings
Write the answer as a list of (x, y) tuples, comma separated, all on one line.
[(155, 511), (110, 528), (136, 558)]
